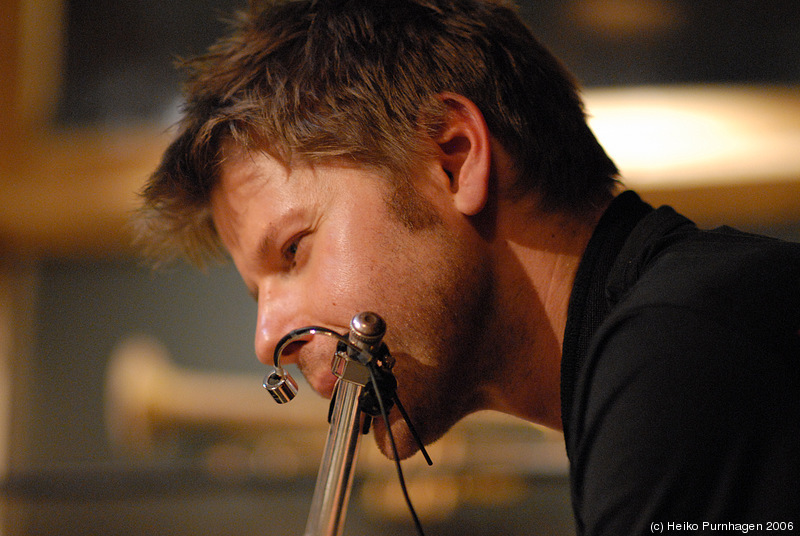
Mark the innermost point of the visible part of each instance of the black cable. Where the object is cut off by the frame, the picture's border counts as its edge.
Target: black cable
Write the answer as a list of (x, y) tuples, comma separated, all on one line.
[(385, 416), (413, 430)]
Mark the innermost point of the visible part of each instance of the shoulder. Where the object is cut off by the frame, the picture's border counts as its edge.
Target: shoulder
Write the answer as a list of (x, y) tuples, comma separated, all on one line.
[(678, 362), (747, 282), (688, 400), (671, 402)]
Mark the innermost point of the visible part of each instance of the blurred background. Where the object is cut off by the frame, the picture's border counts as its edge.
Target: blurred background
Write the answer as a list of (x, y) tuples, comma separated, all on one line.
[(130, 400)]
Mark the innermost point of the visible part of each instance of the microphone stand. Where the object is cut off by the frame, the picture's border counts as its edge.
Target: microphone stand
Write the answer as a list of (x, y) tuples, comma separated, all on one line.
[(335, 477), (362, 364)]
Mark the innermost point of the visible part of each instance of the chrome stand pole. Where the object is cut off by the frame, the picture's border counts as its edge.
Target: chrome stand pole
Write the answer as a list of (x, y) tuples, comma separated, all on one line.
[(350, 365), (335, 477)]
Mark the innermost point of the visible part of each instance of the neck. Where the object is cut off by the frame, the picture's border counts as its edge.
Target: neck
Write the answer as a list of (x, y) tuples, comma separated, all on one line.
[(537, 257)]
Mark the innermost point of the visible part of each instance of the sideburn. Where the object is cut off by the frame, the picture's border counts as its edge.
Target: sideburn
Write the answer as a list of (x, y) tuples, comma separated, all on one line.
[(410, 207)]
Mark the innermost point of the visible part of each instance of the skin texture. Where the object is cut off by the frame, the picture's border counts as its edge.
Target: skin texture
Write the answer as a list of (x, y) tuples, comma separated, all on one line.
[(475, 300)]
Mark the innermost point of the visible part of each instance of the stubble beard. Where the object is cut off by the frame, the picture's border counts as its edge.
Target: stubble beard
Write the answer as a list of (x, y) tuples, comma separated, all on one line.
[(439, 363)]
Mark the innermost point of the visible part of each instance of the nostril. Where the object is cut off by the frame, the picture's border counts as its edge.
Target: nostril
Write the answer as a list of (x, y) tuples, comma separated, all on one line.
[(291, 349), (290, 353), (283, 352)]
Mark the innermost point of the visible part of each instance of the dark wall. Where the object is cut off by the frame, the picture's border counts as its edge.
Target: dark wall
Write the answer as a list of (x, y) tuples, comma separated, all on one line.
[(120, 55)]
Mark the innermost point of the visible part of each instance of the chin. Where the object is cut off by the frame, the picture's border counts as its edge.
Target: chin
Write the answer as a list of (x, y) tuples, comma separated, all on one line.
[(403, 439)]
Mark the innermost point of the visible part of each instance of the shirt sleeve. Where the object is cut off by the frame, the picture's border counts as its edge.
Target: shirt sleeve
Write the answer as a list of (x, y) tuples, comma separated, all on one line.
[(682, 421)]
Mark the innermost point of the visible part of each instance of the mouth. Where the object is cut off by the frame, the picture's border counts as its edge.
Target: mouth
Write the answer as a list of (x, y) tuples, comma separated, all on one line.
[(321, 380), (295, 348)]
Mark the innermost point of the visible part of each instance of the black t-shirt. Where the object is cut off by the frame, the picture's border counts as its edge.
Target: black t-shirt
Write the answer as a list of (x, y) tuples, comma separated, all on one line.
[(681, 377)]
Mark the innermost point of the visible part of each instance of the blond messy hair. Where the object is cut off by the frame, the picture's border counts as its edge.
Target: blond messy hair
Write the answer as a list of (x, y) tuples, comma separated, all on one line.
[(357, 80)]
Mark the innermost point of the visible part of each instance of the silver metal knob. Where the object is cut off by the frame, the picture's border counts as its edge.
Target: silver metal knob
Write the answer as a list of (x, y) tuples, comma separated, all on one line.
[(366, 330)]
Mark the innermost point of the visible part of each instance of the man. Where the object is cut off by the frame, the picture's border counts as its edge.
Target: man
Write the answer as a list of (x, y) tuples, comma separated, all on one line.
[(430, 161)]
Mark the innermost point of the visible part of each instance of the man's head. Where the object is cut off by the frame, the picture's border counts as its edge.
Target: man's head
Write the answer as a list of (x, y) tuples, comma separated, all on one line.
[(359, 81)]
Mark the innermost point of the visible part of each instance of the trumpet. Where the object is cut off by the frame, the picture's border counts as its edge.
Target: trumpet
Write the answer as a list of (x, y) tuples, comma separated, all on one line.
[(365, 388)]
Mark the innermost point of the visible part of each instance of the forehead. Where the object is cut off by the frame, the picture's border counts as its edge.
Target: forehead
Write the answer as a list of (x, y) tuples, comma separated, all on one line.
[(250, 185), (242, 168), (243, 173), (256, 183)]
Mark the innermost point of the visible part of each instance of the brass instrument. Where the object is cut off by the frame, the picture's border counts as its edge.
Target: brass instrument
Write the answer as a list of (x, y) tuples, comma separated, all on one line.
[(365, 388)]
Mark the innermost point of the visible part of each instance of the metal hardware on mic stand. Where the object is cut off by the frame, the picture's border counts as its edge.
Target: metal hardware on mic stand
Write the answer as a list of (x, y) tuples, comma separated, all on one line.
[(362, 349)]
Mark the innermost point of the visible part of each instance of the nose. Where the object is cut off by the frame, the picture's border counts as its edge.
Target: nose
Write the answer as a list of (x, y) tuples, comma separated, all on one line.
[(277, 316)]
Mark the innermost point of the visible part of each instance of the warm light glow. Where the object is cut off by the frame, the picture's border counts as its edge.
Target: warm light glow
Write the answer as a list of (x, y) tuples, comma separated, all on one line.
[(623, 19), (697, 135)]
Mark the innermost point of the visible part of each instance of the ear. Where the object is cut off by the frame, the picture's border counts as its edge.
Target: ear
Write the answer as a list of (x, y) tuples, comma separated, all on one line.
[(465, 153)]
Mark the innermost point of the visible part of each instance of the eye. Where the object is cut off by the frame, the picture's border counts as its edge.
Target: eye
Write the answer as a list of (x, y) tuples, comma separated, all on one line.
[(292, 252)]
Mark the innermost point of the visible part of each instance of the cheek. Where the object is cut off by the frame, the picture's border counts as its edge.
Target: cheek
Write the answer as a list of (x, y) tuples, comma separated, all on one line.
[(354, 273), (336, 273)]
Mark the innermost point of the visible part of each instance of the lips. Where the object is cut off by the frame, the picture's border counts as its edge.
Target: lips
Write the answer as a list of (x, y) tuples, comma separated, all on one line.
[(321, 380), (325, 386)]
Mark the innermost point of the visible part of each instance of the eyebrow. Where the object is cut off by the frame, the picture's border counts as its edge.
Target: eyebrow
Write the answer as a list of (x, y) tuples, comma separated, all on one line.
[(267, 239), (256, 258), (262, 249)]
